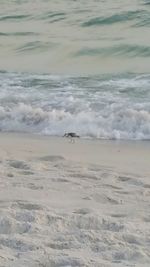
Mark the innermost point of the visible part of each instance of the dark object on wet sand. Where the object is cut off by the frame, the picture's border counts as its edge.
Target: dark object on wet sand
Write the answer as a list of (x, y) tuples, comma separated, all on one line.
[(71, 135)]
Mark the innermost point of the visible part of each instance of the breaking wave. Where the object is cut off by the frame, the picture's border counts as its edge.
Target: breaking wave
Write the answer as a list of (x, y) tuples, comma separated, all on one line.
[(106, 107)]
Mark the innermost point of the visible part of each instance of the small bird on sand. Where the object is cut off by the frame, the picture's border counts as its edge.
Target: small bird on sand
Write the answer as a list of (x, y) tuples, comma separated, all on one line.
[(71, 136)]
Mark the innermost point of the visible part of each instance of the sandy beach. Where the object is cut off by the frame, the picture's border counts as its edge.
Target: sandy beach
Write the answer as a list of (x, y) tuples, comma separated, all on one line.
[(73, 204), (81, 67)]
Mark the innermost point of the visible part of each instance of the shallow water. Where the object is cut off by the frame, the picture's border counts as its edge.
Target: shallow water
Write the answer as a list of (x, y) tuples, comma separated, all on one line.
[(96, 59)]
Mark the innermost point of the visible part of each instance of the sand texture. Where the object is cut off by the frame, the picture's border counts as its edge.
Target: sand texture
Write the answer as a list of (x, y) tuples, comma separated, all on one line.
[(85, 204)]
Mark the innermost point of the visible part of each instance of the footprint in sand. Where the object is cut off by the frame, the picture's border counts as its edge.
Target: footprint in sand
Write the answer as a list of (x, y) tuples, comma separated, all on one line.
[(35, 187), (82, 211), (27, 172), (146, 186), (10, 175), (17, 164), (124, 178), (17, 244), (52, 158), (118, 215), (104, 199), (131, 181), (27, 205)]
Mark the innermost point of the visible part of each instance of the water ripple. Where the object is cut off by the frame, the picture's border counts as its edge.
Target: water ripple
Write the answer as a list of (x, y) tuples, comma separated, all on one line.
[(122, 17), (121, 50)]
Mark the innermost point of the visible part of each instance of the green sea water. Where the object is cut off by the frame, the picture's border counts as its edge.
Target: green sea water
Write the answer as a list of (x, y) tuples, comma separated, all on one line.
[(75, 37), (81, 66)]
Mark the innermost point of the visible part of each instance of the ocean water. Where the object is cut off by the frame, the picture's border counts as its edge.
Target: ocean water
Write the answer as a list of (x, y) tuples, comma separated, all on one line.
[(73, 65)]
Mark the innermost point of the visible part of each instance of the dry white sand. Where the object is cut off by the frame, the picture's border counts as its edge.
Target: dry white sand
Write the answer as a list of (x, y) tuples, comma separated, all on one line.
[(73, 205)]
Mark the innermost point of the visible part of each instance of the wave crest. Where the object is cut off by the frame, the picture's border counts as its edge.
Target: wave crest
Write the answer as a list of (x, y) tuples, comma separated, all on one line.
[(107, 107)]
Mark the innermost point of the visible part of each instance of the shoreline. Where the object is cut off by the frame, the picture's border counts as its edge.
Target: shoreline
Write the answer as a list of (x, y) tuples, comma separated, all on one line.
[(126, 156)]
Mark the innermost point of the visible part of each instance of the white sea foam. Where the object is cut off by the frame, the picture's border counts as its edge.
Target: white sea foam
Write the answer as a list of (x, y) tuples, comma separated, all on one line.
[(98, 107)]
